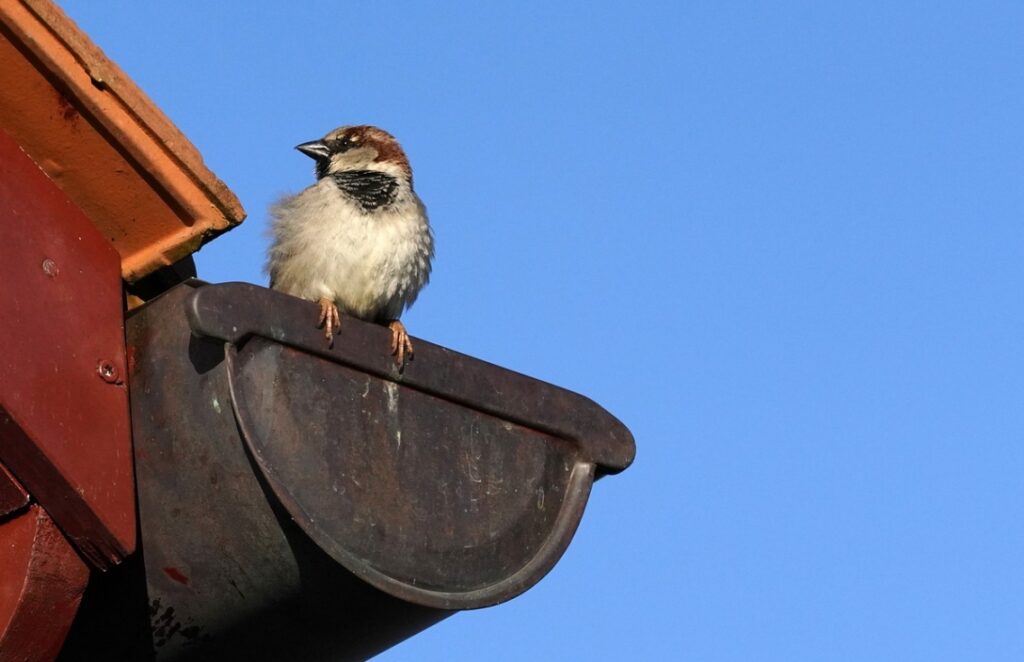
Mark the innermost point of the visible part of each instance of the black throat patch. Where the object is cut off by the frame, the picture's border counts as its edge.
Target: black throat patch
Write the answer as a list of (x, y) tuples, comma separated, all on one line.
[(371, 189)]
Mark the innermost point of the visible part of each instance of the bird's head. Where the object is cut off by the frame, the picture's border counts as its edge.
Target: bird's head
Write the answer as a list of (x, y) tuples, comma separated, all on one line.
[(357, 148)]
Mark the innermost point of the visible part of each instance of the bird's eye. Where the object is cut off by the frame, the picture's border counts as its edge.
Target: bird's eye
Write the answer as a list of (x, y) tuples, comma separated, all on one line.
[(344, 143)]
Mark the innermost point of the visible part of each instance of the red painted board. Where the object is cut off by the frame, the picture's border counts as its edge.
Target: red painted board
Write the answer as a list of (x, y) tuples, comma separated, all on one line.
[(64, 422), (13, 496), (40, 588)]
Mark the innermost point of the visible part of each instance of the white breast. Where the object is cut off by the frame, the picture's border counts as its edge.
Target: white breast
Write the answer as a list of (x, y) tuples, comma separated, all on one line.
[(371, 264)]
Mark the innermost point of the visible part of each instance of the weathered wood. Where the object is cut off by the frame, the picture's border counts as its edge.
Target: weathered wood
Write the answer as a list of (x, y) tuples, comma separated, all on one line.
[(64, 427), (43, 583)]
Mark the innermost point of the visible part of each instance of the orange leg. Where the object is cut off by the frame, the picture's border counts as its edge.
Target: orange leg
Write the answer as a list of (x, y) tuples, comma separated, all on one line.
[(401, 346), (329, 319)]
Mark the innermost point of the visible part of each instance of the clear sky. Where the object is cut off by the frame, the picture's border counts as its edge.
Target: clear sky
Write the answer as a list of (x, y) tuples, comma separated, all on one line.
[(781, 241)]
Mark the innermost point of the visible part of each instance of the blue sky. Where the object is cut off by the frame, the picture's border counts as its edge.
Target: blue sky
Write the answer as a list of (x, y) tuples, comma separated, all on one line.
[(781, 241)]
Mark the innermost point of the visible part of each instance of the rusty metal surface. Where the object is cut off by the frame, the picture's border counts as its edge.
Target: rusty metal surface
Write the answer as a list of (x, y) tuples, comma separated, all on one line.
[(408, 490), (64, 428), (313, 503), (41, 584), (233, 312), (453, 483), (227, 574)]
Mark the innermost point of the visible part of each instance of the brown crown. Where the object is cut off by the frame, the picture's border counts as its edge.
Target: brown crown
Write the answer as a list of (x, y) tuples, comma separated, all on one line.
[(388, 149)]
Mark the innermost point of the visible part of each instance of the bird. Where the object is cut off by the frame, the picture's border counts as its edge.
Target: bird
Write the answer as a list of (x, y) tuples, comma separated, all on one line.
[(357, 241)]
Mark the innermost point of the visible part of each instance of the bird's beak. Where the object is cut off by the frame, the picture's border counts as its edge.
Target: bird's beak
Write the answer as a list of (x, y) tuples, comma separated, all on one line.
[(315, 149)]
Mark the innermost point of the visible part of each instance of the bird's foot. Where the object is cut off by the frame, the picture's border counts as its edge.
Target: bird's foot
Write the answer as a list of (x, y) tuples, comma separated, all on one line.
[(329, 319), (401, 346)]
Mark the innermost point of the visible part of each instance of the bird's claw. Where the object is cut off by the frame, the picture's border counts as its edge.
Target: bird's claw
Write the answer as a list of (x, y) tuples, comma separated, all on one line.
[(329, 319), (401, 346)]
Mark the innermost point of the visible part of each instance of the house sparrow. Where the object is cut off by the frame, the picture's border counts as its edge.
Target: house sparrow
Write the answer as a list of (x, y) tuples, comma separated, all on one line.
[(357, 241)]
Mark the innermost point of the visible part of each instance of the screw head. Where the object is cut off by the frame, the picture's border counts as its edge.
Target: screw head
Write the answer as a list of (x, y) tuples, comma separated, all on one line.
[(108, 371), (50, 268)]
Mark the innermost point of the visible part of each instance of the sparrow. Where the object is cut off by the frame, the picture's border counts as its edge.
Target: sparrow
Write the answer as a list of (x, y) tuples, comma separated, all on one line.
[(357, 241)]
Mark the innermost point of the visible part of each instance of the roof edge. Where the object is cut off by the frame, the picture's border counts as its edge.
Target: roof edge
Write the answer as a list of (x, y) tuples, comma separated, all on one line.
[(135, 126)]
